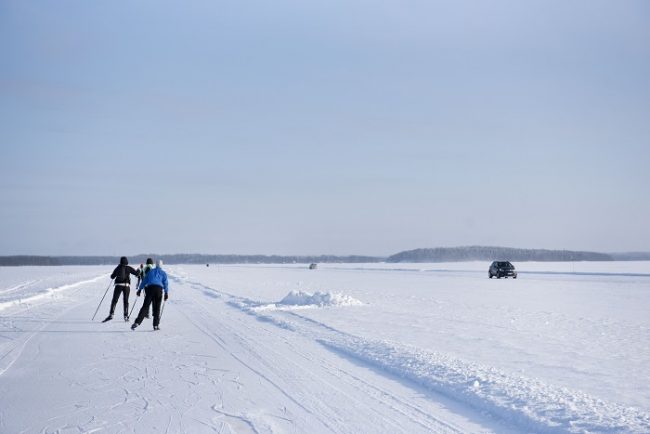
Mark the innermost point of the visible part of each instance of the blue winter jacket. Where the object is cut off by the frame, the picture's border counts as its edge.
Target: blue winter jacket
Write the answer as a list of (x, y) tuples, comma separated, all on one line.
[(155, 276)]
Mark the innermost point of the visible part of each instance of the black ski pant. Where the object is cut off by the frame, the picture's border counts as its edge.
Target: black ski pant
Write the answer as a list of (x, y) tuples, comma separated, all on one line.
[(119, 289), (153, 295)]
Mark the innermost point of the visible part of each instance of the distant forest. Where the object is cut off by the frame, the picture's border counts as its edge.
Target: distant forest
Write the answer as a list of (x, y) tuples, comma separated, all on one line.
[(439, 254), (183, 259)]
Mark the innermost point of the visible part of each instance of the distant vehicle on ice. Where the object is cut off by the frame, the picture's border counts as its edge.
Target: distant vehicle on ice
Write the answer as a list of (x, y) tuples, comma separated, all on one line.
[(502, 269), (313, 266)]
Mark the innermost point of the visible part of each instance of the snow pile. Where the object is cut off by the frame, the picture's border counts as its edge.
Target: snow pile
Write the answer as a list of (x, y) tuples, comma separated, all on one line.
[(296, 300), (529, 403), (320, 299)]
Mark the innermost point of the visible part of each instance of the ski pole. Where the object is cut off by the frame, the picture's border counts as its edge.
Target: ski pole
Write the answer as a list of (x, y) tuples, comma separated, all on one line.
[(134, 303), (100, 303), (137, 286), (161, 310)]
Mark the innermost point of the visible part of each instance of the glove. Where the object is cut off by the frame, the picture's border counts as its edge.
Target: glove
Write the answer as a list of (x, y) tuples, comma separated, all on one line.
[(138, 293), (166, 296)]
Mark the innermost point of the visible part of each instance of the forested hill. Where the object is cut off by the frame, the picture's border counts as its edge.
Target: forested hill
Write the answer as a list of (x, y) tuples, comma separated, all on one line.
[(482, 253)]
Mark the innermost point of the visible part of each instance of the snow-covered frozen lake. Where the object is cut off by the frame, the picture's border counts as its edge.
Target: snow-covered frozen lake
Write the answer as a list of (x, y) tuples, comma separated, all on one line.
[(345, 348)]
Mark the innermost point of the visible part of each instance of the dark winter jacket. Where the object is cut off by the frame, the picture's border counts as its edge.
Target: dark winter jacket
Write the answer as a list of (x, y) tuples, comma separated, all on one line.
[(155, 276), (122, 272)]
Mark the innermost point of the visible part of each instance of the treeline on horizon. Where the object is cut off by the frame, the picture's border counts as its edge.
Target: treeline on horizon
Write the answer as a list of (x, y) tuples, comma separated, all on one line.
[(182, 259), (439, 254)]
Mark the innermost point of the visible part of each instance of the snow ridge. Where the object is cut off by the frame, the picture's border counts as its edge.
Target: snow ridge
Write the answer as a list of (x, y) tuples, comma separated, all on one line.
[(529, 403), (30, 294)]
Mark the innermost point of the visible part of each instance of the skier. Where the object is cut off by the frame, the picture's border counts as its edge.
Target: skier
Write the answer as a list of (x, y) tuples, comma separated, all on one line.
[(143, 272), (122, 277), (147, 267), (154, 283)]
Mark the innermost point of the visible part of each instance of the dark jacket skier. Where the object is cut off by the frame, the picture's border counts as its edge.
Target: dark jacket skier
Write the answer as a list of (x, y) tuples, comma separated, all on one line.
[(154, 283), (122, 275)]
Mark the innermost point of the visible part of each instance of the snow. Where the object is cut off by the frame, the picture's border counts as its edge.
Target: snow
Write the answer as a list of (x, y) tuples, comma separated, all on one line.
[(344, 348), (319, 299)]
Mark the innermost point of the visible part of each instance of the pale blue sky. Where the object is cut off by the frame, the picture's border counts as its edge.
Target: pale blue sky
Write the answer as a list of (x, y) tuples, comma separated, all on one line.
[(344, 127)]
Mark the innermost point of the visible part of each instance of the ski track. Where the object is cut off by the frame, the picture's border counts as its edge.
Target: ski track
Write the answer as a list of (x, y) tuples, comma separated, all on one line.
[(18, 287), (13, 353), (258, 352)]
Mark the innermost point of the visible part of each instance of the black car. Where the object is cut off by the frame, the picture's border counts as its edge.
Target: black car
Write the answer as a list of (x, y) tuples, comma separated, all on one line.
[(502, 269)]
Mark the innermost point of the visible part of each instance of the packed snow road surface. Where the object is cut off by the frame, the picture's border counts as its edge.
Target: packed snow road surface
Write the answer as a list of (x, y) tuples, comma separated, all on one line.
[(345, 348)]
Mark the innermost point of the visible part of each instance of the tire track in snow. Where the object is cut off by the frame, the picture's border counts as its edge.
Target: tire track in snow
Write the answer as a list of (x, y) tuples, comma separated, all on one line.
[(439, 425), (386, 399), (223, 345), (272, 367), (252, 350), (381, 396)]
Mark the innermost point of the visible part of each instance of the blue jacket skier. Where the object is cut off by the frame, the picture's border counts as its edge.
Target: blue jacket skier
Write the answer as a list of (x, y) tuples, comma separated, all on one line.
[(154, 284)]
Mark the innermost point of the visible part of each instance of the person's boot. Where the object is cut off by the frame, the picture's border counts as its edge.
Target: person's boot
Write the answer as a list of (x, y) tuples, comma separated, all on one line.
[(109, 317), (134, 325), (156, 328)]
